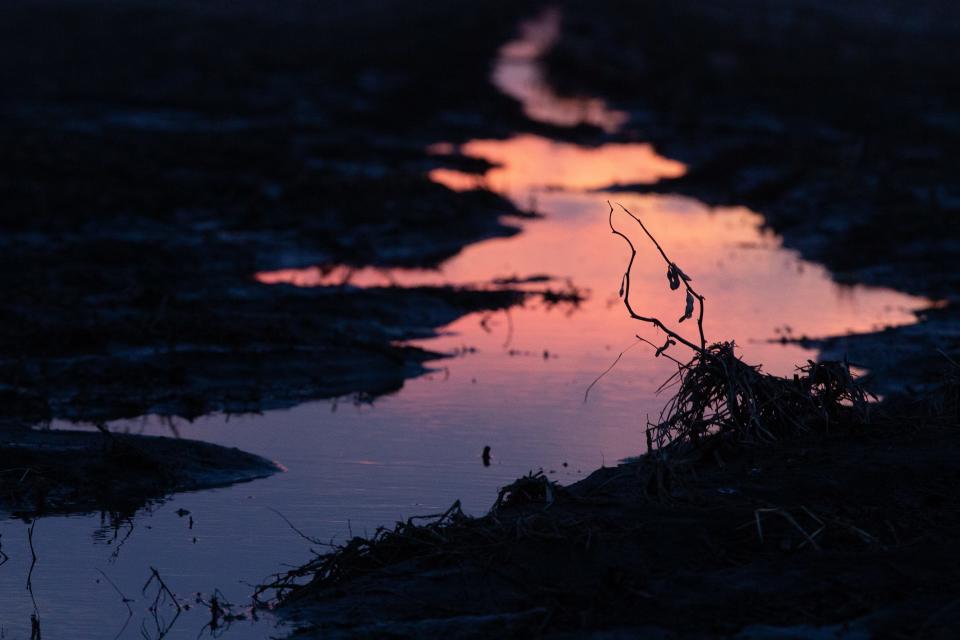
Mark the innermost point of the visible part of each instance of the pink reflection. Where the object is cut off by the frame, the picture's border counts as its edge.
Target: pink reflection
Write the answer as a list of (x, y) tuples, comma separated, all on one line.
[(505, 393), (457, 180), (755, 290), (519, 74), (528, 162), (754, 287), (339, 275)]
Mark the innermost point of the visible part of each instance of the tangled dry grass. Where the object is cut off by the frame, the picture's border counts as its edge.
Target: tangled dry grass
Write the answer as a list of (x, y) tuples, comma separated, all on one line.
[(721, 399), (442, 538), (361, 555)]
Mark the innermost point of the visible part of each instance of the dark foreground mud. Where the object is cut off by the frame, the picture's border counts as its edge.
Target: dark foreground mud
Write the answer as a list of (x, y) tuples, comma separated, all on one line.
[(845, 536), (47, 472)]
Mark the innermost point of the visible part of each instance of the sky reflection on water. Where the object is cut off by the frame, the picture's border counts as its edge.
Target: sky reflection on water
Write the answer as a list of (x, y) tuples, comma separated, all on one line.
[(516, 381), (519, 74)]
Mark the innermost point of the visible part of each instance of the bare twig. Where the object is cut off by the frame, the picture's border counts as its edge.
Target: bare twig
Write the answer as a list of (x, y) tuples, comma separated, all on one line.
[(610, 368), (790, 520), (948, 358), (33, 564), (674, 274), (124, 599), (163, 594), (296, 530), (718, 394), (162, 590)]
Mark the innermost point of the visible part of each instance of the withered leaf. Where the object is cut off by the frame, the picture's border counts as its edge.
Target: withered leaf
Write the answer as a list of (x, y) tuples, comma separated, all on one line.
[(673, 276), (688, 311), (666, 345)]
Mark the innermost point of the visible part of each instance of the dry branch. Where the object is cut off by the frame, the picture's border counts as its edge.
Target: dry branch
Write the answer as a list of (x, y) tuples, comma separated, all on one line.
[(675, 276), (722, 398)]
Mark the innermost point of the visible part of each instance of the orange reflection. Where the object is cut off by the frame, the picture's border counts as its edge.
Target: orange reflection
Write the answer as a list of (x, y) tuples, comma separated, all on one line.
[(519, 74), (527, 162), (754, 287), (457, 180), (341, 275), (523, 383)]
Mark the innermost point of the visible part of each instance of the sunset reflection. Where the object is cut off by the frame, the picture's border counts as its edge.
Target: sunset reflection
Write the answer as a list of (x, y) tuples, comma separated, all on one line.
[(754, 288), (756, 291), (519, 74), (529, 162)]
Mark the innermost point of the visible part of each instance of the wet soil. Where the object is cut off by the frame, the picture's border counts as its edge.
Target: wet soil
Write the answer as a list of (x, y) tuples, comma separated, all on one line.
[(243, 348), (47, 472), (849, 536), (159, 154)]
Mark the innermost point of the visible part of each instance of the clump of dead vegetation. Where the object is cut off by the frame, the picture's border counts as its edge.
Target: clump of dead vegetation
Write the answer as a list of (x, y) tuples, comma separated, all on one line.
[(720, 398), (441, 539), (361, 555)]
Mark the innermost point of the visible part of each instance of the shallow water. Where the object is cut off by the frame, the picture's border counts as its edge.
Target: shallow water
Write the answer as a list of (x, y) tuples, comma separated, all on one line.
[(518, 74), (516, 383)]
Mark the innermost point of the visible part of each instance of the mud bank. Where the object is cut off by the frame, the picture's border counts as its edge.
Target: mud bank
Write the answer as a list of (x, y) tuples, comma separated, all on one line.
[(847, 536), (245, 347), (49, 472)]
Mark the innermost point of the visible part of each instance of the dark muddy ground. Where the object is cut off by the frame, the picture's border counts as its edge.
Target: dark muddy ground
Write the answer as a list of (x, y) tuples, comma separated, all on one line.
[(47, 472), (848, 536), (249, 348)]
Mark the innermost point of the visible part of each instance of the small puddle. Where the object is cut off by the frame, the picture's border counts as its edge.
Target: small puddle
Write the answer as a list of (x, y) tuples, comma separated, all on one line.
[(517, 387)]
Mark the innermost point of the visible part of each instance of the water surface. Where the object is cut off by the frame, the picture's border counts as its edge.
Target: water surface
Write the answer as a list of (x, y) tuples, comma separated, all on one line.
[(516, 380)]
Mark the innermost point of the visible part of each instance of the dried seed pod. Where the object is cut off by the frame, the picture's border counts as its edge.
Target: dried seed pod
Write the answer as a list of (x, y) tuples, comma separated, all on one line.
[(673, 276), (666, 345), (688, 311)]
